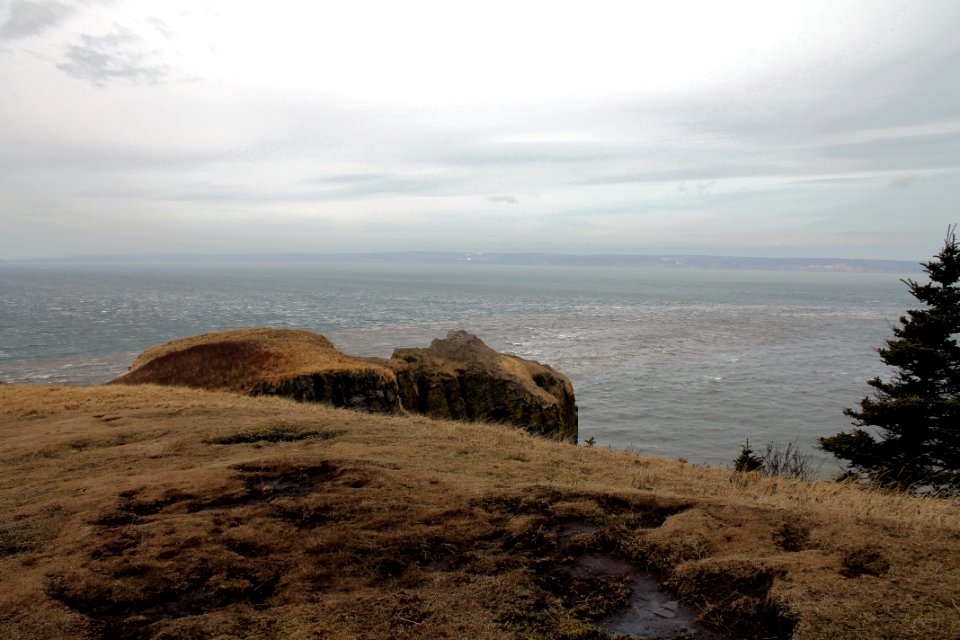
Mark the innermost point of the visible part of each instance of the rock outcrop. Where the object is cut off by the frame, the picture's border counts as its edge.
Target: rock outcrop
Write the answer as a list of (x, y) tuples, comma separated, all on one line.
[(461, 378), (457, 378), (361, 390)]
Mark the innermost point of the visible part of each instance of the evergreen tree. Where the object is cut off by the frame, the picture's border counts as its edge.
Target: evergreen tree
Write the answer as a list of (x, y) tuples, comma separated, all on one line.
[(747, 460), (916, 414)]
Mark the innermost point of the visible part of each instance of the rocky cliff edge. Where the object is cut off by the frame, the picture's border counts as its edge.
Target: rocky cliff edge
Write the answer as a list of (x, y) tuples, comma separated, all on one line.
[(459, 377)]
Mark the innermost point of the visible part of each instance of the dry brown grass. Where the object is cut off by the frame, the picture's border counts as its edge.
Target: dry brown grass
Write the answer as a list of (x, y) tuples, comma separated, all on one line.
[(240, 360), (168, 513)]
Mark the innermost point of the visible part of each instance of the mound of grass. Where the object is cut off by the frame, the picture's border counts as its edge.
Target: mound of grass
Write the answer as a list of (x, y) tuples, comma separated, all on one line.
[(202, 514), (242, 359)]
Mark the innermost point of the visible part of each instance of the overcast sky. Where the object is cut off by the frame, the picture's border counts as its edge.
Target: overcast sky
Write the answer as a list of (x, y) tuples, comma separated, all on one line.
[(755, 128)]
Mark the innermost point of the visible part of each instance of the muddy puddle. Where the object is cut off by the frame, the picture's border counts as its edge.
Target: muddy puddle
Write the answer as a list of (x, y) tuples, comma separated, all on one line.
[(652, 613)]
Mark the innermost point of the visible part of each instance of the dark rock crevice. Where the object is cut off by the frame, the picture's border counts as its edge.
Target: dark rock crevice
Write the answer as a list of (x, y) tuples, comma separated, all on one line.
[(362, 390)]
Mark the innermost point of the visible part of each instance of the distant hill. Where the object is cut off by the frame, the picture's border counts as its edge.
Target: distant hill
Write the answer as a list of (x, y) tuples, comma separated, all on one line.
[(524, 259)]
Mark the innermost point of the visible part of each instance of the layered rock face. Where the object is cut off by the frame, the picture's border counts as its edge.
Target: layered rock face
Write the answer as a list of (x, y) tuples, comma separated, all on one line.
[(461, 378), (362, 390), (457, 378)]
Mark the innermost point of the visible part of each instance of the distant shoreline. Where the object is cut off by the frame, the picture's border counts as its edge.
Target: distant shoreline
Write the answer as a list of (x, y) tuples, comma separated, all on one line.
[(659, 261)]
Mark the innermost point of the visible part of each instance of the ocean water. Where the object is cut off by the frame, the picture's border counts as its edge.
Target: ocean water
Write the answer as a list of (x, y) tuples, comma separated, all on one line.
[(673, 363)]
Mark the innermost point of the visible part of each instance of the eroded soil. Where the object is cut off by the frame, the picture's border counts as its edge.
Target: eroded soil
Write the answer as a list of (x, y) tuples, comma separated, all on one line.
[(161, 559)]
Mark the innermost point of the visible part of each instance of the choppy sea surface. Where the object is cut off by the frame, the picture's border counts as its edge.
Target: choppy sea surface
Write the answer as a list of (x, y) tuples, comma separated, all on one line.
[(673, 363)]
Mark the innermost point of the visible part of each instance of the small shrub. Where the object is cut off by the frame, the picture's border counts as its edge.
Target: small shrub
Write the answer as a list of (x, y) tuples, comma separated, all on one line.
[(747, 460), (789, 462), (777, 460)]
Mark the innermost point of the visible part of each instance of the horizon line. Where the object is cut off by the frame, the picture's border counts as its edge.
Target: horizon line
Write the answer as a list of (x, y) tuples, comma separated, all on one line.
[(519, 258)]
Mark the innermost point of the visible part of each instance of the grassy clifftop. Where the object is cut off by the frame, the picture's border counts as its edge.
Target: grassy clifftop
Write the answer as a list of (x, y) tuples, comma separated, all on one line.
[(142, 511), (240, 360)]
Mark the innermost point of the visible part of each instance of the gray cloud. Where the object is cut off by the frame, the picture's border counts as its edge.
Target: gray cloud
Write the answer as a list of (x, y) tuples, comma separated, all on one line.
[(909, 152), (368, 184), (345, 179), (162, 27), (499, 154), (699, 186), (331, 188), (843, 180), (504, 199), (29, 18), (115, 57), (902, 182)]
